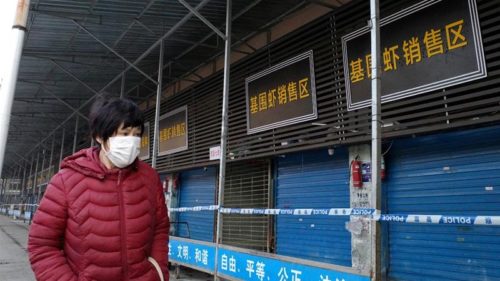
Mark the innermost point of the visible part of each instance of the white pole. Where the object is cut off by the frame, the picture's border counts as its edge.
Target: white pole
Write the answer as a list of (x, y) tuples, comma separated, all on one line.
[(376, 136), (8, 86), (30, 173), (39, 184), (23, 182), (35, 176), (122, 87), (75, 136), (62, 147), (157, 108), (223, 136), (51, 157)]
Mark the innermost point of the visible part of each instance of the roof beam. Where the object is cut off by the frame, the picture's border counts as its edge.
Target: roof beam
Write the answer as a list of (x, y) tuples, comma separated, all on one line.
[(74, 77), (200, 43), (140, 58), (113, 51), (145, 27), (65, 103), (203, 19), (151, 2)]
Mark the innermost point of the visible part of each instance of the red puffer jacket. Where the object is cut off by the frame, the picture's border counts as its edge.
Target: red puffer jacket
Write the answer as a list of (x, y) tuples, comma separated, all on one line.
[(95, 224)]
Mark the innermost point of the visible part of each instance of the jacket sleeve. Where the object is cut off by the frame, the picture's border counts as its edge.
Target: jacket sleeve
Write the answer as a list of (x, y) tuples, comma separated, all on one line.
[(160, 241), (46, 236)]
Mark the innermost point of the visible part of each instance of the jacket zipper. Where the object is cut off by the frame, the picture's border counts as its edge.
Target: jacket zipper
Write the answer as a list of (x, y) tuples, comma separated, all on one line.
[(122, 227)]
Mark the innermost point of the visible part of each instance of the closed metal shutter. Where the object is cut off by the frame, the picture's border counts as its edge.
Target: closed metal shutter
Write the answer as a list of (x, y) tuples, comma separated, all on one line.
[(247, 186), (454, 173), (313, 180), (197, 188)]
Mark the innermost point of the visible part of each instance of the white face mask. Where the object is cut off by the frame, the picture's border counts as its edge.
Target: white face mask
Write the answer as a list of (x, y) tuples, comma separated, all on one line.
[(123, 150)]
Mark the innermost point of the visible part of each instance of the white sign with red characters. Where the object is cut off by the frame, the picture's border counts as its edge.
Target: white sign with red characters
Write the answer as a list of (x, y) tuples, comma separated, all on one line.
[(215, 153)]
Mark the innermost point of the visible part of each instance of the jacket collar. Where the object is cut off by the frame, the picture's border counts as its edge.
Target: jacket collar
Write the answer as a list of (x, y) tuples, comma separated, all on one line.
[(87, 162)]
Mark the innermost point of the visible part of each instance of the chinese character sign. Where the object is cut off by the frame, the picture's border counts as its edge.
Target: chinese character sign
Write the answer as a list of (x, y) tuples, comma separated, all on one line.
[(423, 48), (145, 143), (282, 95), (244, 266), (198, 255), (173, 131), (215, 153)]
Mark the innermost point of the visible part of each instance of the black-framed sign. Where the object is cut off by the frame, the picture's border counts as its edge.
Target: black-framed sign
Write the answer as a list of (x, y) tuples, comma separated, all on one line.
[(428, 46), (173, 131), (282, 95), (144, 154)]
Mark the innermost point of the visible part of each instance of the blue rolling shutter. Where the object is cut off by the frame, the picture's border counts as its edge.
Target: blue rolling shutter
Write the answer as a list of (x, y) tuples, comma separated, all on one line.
[(313, 180), (452, 174), (197, 188)]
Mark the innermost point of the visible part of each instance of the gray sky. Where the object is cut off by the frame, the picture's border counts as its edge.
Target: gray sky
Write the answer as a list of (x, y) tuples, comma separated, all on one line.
[(7, 12)]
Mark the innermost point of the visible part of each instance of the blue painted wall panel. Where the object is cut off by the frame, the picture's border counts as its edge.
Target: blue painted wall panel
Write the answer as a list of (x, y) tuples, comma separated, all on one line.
[(313, 180), (456, 173), (197, 188)]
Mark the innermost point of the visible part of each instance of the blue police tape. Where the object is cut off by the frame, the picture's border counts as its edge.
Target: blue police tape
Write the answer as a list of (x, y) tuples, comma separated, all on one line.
[(194, 209), (367, 213), (300, 212), (439, 219)]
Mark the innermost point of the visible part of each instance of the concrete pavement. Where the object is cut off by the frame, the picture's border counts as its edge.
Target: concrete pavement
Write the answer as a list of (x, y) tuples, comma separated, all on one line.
[(14, 265)]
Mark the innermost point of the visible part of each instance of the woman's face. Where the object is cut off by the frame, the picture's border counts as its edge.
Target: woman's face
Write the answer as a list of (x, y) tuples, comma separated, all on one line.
[(127, 132), (123, 132)]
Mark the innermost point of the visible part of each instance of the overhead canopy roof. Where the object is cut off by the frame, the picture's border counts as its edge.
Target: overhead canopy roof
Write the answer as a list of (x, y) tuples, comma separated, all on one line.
[(77, 50)]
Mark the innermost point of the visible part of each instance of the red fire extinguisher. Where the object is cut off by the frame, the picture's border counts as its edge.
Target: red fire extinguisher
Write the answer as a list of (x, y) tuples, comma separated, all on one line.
[(165, 184), (356, 173), (382, 169), (175, 181)]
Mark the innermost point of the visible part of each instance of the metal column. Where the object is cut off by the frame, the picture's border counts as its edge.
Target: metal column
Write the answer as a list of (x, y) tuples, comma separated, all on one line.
[(35, 175), (41, 173), (31, 169), (51, 156), (12, 69), (75, 137), (23, 182), (62, 147), (223, 137), (2, 191), (157, 107), (122, 86), (18, 178), (376, 138)]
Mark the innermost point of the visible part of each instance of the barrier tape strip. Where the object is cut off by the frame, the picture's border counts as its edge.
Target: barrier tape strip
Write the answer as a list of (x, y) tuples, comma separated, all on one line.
[(8, 205), (363, 212), (194, 209), (371, 214)]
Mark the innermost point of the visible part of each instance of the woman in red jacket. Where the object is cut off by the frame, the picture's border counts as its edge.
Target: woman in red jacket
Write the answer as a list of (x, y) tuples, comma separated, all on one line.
[(103, 216)]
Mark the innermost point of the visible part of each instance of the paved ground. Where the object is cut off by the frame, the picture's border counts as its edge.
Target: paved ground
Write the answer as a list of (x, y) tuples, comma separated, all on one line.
[(14, 265)]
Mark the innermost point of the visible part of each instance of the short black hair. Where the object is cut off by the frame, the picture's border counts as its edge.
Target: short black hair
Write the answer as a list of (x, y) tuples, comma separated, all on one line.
[(106, 116)]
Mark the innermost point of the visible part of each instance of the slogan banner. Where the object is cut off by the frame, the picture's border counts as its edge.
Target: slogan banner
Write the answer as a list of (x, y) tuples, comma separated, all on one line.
[(254, 266), (428, 46), (240, 264), (144, 154), (194, 254), (282, 95), (173, 131)]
